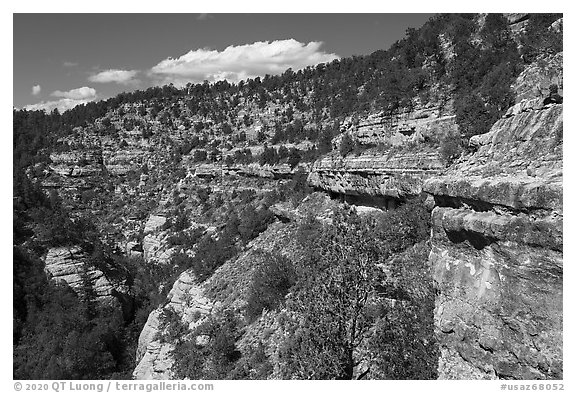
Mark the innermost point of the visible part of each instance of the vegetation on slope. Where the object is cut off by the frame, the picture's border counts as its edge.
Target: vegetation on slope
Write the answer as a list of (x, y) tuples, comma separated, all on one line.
[(339, 298), (358, 296)]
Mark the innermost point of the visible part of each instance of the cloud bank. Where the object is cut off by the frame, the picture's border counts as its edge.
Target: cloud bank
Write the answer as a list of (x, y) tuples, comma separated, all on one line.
[(36, 89), (80, 93), (69, 99), (123, 77), (236, 63)]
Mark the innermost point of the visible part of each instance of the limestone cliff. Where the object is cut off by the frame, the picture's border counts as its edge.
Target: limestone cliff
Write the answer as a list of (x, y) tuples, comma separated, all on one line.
[(380, 179), (405, 156), (497, 226), (70, 265), (279, 171), (497, 251), (76, 168), (422, 122), (187, 301)]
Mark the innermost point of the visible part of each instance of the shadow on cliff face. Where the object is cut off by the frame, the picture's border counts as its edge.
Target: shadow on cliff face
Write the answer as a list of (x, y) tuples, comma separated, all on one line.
[(478, 241), (376, 201)]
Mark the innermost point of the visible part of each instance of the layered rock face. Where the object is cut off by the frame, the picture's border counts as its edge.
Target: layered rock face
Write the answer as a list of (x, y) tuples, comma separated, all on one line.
[(120, 161), (497, 251), (392, 177), (535, 80), (395, 172), (75, 169), (70, 265), (422, 122), (279, 171)]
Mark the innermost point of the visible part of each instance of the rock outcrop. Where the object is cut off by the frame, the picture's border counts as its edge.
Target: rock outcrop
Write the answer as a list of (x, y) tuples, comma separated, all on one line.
[(497, 251), (535, 80), (279, 171), (430, 121), (77, 163), (121, 161), (404, 157), (155, 248), (74, 169), (154, 223), (396, 176), (70, 265), (187, 301)]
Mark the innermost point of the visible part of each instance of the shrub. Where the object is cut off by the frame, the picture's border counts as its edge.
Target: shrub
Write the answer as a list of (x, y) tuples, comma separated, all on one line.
[(271, 280), (347, 145), (181, 222), (253, 222), (212, 253), (450, 148), (294, 158), (200, 155), (217, 358), (296, 189), (403, 342), (539, 38)]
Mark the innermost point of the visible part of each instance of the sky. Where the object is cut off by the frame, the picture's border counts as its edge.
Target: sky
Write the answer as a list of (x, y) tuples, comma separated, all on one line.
[(61, 60)]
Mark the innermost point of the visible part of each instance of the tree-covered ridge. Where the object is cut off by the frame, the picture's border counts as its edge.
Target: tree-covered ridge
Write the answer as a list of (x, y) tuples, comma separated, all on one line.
[(451, 55), (465, 56)]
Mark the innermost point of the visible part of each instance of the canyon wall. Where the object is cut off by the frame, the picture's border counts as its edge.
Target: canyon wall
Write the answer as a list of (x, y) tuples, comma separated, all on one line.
[(397, 175), (497, 251), (396, 169), (497, 242), (72, 266), (421, 122), (497, 232)]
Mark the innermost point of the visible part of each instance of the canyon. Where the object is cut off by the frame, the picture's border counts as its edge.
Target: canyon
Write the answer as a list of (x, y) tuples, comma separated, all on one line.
[(495, 213)]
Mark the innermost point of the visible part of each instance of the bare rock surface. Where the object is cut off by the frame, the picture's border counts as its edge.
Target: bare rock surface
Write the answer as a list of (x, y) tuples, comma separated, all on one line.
[(535, 80), (187, 300), (399, 165), (397, 175), (70, 265), (411, 125), (497, 250), (154, 223)]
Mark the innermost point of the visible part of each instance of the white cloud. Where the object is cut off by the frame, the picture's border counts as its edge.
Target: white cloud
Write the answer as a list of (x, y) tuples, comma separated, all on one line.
[(62, 105), (69, 100), (123, 77), (240, 62), (36, 89), (69, 64), (81, 93)]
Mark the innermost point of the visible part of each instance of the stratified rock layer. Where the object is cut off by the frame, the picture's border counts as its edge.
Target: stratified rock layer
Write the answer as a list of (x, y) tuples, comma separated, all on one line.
[(422, 122), (397, 176), (69, 265), (497, 251), (397, 168)]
